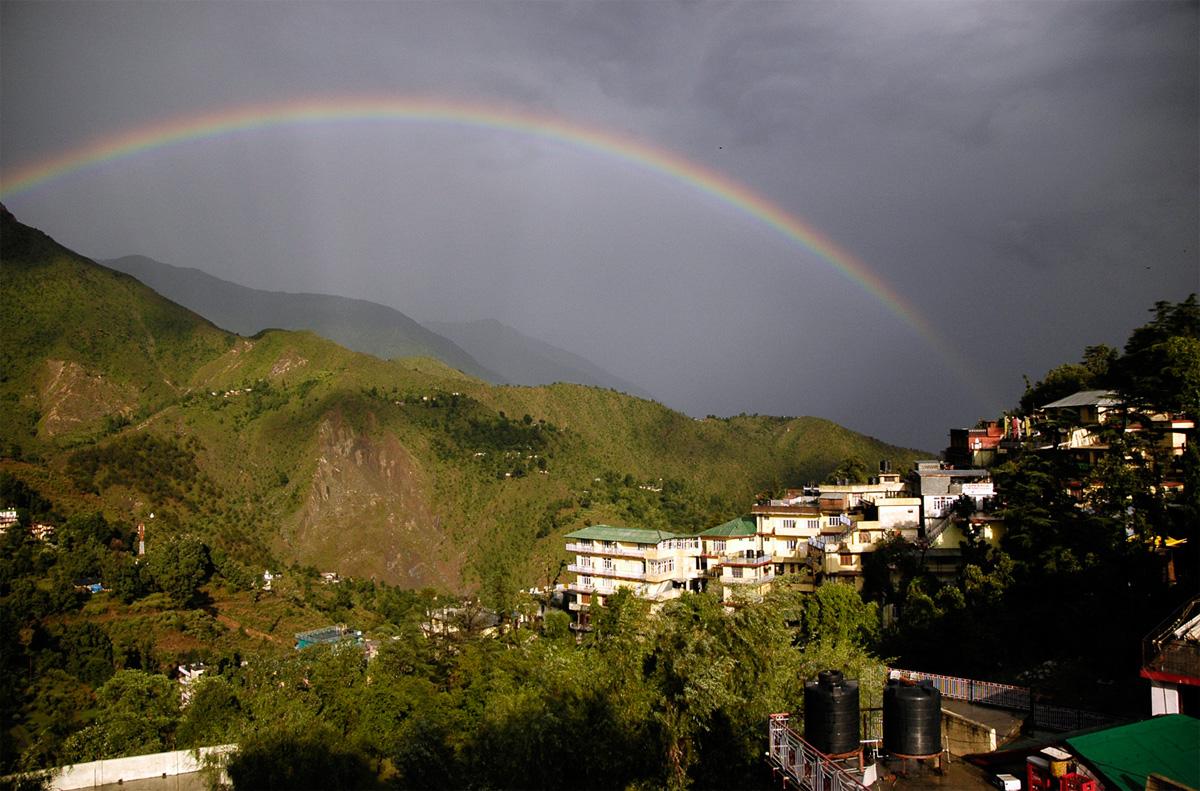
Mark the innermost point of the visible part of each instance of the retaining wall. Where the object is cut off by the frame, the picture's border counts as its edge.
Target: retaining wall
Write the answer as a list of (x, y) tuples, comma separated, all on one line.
[(138, 767)]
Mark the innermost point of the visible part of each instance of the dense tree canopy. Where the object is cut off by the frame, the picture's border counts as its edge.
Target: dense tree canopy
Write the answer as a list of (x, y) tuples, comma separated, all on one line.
[(1093, 564)]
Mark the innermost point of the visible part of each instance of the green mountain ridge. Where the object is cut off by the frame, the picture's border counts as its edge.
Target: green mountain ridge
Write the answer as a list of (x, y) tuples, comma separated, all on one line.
[(354, 323), (285, 447), (484, 349)]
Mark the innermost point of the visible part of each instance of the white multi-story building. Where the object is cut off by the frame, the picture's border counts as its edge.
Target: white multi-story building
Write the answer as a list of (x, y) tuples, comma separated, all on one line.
[(656, 565), (786, 527), (823, 533), (738, 557), (940, 488), (840, 552)]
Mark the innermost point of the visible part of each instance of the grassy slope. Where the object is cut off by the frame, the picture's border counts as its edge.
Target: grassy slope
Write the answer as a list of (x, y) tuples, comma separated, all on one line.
[(131, 350), (306, 451)]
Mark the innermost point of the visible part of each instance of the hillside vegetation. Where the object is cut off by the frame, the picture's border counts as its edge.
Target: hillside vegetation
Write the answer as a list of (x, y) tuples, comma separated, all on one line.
[(287, 448)]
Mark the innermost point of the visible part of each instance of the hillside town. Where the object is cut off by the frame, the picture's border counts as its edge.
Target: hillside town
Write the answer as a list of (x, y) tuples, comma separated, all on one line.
[(940, 509), (826, 533), (942, 512)]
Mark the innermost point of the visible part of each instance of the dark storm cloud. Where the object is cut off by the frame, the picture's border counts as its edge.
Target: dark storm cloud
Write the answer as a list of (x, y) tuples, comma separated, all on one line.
[(1024, 175)]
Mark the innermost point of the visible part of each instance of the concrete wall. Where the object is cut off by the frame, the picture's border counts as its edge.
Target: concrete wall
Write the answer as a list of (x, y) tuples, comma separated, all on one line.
[(963, 736), (138, 767)]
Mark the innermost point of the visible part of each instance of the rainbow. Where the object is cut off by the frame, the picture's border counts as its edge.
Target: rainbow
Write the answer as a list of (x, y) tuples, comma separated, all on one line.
[(436, 111)]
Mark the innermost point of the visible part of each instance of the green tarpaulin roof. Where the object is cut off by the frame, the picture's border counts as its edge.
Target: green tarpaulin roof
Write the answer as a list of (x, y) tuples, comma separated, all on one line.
[(635, 535), (1126, 755), (741, 526)]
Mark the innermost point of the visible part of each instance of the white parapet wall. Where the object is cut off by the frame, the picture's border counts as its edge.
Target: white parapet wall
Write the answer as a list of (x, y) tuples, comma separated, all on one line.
[(138, 767)]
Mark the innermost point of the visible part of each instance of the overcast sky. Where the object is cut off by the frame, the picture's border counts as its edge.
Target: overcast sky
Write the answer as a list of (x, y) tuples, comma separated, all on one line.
[(1024, 175)]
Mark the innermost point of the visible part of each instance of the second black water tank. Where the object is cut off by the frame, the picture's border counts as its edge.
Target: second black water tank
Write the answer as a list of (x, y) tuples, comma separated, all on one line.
[(831, 713), (912, 719)]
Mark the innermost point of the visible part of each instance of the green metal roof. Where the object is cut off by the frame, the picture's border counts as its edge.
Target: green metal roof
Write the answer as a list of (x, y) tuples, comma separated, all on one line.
[(741, 526), (1127, 754), (633, 535)]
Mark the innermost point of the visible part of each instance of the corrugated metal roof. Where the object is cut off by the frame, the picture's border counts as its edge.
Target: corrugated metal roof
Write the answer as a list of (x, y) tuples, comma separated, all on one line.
[(633, 535), (741, 526), (1128, 754), (1086, 398)]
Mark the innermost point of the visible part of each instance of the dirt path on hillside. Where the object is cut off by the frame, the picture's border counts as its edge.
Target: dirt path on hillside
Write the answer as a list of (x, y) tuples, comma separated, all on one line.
[(234, 624)]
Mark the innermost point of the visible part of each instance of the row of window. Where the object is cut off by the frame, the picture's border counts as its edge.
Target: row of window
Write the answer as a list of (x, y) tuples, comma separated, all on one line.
[(809, 524)]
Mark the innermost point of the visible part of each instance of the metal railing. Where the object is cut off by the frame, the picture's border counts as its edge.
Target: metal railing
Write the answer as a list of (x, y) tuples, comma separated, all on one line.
[(601, 571), (745, 560), (596, 549), (932, 533), (802, 763), (988, 693), (1166, 649), (749, 579), (1062, 719), (1006, 696)]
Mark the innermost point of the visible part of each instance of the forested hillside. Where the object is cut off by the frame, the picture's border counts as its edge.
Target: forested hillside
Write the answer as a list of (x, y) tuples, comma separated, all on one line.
[(287, 452), (285, 447)]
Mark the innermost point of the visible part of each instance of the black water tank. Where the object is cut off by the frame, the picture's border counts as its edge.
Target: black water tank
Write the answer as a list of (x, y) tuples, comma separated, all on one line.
[(912, 719), (831, 713)]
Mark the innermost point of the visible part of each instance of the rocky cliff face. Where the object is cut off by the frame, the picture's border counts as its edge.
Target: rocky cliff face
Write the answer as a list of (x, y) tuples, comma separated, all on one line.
[(368, 512), (72, 399)]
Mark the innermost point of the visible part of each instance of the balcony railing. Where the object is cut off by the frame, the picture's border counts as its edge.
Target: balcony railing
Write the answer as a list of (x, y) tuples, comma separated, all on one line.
[(599, 571), (757, 578), (745, 560), (596, 549), (603, 590)]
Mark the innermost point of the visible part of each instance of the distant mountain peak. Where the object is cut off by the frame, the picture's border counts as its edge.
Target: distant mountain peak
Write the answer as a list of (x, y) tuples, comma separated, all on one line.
[(357, 324), (526, 360)]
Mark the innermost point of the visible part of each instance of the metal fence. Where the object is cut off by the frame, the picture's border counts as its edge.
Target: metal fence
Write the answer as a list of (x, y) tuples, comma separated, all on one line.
[(1167, 650), (802, 763), (1007, 696), (1061, 718), (988, 693)]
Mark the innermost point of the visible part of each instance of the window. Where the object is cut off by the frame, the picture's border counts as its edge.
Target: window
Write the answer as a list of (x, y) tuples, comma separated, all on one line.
[(718, 546), (609, 565), (790, 544), (834, 521), (814, 524), (941, 505), (586, 581), (846, 559), (736, 571), (789, 524)]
